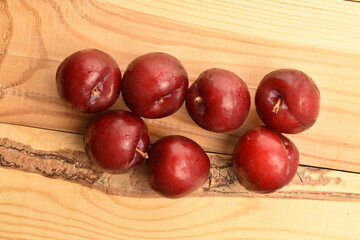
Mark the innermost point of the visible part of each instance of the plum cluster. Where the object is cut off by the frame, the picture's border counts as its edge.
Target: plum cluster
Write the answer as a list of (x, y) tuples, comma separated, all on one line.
[(287, 101), (156, 85)]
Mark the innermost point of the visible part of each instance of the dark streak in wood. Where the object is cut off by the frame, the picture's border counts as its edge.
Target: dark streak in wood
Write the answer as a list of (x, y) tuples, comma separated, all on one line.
[(34, 96), (300, 177), (84, 38), (5, 41), (40, 64), (355, 1), (37, 28), (1, 92)]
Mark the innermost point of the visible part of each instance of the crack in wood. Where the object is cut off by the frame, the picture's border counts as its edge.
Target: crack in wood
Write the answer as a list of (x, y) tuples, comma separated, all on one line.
[(5, 163), (38, 154), (69, 165), (74, 166), (302, 182)]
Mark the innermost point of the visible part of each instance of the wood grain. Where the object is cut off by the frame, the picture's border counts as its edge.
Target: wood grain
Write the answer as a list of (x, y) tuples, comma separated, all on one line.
[(49, 190), (250, 38)]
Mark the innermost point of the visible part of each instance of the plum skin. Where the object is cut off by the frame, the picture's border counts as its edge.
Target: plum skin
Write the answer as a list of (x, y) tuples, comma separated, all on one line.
[(177, 166), (154, 85), (89, 80), (112, 138), (300, 101), (265, 161), (218, 100)]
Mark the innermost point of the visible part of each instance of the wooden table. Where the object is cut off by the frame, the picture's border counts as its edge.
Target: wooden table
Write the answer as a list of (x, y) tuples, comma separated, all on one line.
[(48, 190)]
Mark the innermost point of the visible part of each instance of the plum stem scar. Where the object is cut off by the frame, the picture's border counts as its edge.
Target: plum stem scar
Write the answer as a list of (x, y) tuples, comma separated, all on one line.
[(95, 92), (276, 108), (161, 100), (199, 99), (142, 154)]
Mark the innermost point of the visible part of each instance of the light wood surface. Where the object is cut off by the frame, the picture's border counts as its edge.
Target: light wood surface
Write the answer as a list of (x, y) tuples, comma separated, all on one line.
[(48, 190), (33, 207)]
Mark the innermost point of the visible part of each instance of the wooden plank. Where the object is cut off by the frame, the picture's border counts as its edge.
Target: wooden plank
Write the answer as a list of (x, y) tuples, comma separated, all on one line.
[(75, 201), (250, 38), (33, 207), (50, 191), (61, 155)]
